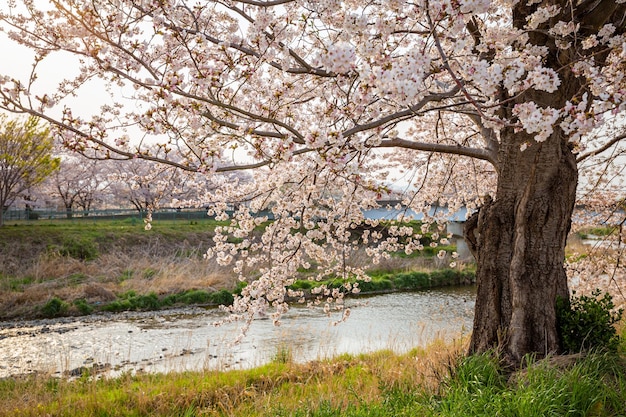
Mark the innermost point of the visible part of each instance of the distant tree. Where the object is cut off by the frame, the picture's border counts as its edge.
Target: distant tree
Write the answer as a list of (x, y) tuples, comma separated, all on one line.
[(25, 158), (148, 185), (79, 182), (145, 184)]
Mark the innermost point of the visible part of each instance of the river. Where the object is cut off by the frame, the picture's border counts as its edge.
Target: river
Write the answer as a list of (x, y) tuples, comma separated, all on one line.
[(186, 339)]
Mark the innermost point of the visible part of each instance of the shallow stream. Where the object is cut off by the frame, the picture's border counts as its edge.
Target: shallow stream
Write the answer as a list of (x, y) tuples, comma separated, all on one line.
[(185, 339)]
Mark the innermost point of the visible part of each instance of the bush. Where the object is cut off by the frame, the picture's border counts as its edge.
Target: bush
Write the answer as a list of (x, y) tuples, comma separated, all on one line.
[(79, 248), (444, 277), (54, 308), (131, 301), (412, 280), (586, 323), (301, 284), (170, 300), (194, 297), (117, 306), (240, 286), (222, 297), (376, 284), (83, 306), (146, 302)]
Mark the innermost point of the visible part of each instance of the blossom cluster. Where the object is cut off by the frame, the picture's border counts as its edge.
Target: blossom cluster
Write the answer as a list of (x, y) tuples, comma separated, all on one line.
[(535, 119)]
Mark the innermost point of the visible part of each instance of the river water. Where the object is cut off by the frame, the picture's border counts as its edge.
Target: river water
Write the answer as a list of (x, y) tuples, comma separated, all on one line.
[(186, 339)]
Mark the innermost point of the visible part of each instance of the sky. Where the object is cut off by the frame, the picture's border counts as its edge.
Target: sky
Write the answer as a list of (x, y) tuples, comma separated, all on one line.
[(52, 70)]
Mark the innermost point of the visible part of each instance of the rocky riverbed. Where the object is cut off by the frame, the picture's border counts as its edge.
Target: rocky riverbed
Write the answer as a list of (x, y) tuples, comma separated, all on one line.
[(185, 339)]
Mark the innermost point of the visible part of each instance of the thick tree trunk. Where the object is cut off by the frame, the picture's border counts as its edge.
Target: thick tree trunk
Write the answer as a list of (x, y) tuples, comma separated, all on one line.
[(519, 238), (519, 244)]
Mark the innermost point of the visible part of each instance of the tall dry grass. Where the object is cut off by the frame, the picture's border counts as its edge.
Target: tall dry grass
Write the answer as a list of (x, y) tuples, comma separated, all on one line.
[(157, 266), (111, 273)]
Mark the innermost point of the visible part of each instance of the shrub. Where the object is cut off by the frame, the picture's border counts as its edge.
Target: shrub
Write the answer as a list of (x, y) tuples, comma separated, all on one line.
[(376, 284), (411, 280), (83, 306), (79, 248), (54, 308), (467, 276), (170, 299), (301, 284), (586, 323), (128, 295), (146, 302), (131, 301), (222, 297), (240, 286), (118, 305), (444, 277), (194, 297)]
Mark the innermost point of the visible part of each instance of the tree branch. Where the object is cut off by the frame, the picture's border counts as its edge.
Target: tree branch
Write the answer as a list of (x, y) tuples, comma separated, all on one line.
[(601, 149), (482, 154), (268, 3), (411, 111)]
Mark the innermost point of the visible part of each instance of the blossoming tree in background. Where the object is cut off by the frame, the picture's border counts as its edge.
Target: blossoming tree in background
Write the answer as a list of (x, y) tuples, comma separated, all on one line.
[(77, 184), (493, 105)]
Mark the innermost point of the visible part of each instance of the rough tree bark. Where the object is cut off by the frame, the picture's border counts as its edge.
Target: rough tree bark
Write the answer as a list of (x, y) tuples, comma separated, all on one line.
[(519, 238), (519, 244)]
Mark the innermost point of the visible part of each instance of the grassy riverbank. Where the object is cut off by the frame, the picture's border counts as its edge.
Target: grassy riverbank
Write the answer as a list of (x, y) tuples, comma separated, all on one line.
[(436, 381), (51, 269)]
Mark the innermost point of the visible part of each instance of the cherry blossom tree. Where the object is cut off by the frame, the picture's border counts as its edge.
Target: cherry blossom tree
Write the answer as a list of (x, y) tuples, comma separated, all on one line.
[(146, 184), (492, 105), (150, 185), (78, 183)]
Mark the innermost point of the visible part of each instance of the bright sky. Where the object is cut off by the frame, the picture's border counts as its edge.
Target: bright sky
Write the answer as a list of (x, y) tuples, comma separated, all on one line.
[(52, 70)]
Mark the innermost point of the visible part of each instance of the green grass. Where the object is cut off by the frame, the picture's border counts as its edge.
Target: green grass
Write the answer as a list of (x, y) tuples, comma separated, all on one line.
[(100, 230), (130, 300), (597, 231), (15, 283), (423, 382), (385, 281), (593, 386), (428, 251)]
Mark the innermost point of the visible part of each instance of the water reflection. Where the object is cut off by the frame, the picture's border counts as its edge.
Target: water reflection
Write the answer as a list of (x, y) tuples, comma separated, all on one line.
[(186, 340)]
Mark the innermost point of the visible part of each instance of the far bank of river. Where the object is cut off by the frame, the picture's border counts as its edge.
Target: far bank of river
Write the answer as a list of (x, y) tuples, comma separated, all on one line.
[(185, 339)]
